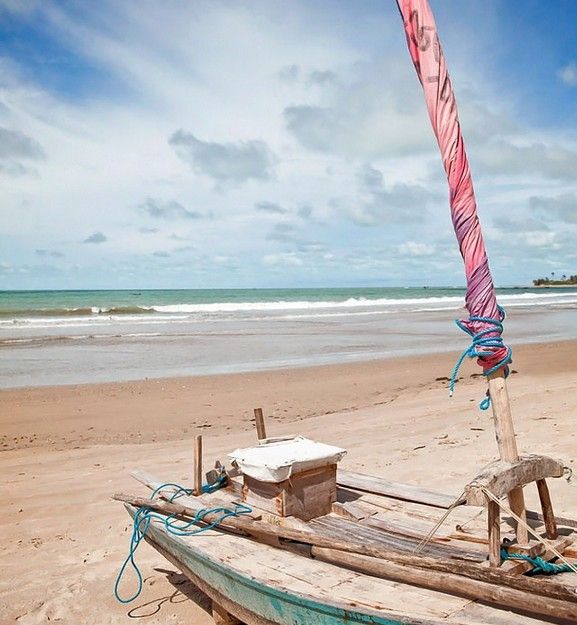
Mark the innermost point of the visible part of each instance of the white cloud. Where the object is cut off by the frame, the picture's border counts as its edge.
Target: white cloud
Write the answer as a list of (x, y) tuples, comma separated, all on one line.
[(49, 253), (562, 207), (301, 121), (283, 232), (15, 144), (519, 223), (161, 209), (271, 207), (568, 74), (538, 239), (233, 163), (413, 248), (15, 147), (374, 203), (367, 119), (289, 259), (550, 160), (96, 237)]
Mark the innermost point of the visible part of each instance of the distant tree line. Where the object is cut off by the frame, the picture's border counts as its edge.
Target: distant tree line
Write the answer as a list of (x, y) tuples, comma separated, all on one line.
[(554, 282)]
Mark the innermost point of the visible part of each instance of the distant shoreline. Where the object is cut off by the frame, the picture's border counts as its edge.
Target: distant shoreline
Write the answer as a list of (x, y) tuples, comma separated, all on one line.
[(554, 286)]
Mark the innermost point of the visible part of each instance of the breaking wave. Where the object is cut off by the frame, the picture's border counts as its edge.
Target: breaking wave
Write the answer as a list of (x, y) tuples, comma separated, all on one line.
[(281, 308)]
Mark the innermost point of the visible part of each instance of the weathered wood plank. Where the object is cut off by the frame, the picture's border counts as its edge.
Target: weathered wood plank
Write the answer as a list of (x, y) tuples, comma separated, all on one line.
[(507, 443), (451, 583), (501, 477), (219, 498), (352, 511), (408, 529), (370, 533), (494, 533), (259, 529), (265, 596), (287, 537), (547, 507), (305, 495), (198, 465), (259, 423), (396, 490)]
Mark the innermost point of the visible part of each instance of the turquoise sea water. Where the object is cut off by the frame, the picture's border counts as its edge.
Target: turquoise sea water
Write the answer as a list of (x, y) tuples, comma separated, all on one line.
[(61, 337), (17, 304), (135, 301)]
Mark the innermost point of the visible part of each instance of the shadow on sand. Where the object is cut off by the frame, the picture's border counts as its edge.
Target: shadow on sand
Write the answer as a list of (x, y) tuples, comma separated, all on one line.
[(184, 590)]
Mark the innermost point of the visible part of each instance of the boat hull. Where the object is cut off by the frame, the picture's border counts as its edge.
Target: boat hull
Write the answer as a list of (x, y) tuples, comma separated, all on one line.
[(254, 602)]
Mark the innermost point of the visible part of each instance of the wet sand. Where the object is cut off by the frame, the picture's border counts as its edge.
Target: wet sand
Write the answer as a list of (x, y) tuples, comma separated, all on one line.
[(66, 449), (127, 350)]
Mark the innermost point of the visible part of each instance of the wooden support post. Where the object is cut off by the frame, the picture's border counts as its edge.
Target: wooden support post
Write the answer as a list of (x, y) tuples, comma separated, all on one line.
[(198, 465), (494, 531), (506, 442), (547, 507), (259, 422)]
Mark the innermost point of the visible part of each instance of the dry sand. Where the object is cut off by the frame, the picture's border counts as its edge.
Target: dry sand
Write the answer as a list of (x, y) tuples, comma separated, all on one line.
[(66, 449)]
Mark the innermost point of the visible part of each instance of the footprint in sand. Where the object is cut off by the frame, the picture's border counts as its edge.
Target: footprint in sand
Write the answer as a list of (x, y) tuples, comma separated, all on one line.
[(57, 608)]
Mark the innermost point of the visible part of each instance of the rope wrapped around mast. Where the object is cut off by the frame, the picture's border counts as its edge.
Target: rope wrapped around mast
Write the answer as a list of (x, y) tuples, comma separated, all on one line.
[(485, 317)]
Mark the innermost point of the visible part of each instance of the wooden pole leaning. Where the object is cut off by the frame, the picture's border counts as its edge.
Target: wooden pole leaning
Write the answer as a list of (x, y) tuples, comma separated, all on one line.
[(505, 433), (547, 507), (198, 465)]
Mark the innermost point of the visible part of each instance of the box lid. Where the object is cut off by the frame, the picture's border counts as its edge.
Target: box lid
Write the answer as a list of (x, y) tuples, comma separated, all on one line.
[(276, 461)]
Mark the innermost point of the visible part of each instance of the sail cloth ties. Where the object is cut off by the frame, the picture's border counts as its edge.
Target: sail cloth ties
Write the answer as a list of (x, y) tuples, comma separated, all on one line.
[(484, 323), (487, 346)]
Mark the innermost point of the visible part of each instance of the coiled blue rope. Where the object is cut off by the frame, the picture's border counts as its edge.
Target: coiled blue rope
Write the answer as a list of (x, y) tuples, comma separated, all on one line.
[(145, 515), (540, 566), (475, 350)]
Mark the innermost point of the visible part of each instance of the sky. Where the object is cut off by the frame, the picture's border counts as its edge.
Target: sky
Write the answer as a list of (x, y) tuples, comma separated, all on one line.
[(226, 144)]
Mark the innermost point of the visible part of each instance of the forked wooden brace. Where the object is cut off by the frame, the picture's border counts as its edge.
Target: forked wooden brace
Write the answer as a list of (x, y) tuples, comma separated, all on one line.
[(500, 478)]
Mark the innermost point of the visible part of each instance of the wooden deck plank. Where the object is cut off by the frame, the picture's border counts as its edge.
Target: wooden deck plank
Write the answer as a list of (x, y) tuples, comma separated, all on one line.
[(474, 613), (395, 490), (342, 528), (295, 574), (460, 514), (324, 581)]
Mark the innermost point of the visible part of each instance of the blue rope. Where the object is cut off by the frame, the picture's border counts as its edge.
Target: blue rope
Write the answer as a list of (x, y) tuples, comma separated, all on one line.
[(540, 566), (177, 527), (475, 350)]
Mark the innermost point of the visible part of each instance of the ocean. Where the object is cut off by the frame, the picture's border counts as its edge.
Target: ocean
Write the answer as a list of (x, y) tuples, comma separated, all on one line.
[(60, 337)]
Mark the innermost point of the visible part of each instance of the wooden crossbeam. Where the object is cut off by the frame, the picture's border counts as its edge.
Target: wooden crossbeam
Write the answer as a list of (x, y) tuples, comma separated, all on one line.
[(501, 477)]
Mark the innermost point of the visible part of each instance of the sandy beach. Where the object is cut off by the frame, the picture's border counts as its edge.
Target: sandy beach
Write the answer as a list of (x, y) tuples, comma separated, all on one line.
[(67, 449), (214, 207)]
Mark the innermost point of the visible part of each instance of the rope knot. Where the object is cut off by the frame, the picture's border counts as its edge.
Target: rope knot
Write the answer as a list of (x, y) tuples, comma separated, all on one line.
[(540, 566), (487, 346)]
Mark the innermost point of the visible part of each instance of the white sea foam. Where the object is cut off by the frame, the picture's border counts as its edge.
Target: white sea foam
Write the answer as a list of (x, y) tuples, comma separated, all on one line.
[(415, 302), (281, 309)]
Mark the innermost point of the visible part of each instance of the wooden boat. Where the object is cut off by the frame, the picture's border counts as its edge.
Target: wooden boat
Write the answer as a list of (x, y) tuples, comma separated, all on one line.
[(379, 552), (283, 577)]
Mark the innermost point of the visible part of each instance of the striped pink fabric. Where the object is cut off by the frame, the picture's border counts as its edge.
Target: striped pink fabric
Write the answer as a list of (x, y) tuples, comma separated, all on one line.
[(427, 55)]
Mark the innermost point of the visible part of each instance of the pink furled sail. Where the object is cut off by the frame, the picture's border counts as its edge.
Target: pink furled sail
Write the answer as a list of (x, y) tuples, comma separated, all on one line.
[(484, 324)]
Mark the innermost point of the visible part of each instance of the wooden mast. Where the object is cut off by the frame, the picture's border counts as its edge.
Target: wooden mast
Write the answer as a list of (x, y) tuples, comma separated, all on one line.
[(429, 61), (507, 443)]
